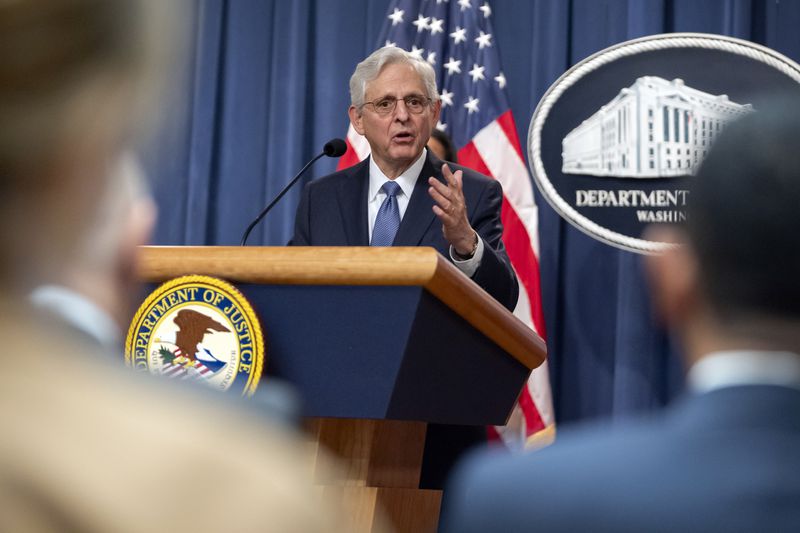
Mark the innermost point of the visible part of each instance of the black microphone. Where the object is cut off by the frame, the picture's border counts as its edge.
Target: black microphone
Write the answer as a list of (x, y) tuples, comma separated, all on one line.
[(332, 148)]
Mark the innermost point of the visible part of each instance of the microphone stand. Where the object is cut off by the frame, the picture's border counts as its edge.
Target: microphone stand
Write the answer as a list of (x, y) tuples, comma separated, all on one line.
[(275, 201)]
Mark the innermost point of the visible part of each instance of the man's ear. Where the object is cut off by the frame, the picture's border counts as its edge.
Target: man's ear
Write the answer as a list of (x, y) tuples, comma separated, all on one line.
[(437, 110), (673, 277), (355, 119)]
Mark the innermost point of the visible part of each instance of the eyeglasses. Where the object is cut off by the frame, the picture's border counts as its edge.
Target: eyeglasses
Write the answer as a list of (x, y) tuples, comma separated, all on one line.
[(385, 106)]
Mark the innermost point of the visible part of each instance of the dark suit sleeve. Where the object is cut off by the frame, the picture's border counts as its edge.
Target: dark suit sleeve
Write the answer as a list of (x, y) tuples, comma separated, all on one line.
[(302, 231), (495, 274)]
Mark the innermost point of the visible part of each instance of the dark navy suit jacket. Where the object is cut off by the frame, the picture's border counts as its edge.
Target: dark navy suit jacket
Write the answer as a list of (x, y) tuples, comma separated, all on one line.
[(333, 212), (727, 460)]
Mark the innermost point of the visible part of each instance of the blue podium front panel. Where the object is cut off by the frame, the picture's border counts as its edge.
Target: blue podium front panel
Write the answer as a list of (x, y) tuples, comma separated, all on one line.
[(383, 352)]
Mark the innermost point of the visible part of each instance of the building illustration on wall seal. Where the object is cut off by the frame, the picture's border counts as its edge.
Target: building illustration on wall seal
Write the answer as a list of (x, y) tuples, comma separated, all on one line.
[(653, 129)]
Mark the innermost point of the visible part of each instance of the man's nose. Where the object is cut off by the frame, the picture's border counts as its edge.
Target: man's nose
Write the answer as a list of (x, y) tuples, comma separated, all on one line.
[(401, 111)]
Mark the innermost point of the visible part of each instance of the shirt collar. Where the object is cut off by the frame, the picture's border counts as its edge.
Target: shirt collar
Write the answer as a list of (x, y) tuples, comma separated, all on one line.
[(80, 313), (406, 180), (744, 367)]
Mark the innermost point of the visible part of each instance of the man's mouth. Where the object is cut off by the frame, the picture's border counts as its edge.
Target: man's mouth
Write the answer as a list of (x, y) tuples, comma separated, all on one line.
[(403, 137)]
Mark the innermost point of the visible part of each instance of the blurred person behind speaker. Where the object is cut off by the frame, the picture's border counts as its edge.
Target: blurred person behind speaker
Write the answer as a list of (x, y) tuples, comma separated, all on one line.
[(87, 446), (442, 146), (721, 458)]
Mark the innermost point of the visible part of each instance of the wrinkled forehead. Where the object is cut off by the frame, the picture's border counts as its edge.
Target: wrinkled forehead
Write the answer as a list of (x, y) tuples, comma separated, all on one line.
[(396, 79)]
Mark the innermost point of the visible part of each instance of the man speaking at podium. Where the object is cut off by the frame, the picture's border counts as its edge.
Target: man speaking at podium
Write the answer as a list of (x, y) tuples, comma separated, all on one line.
[(402, 195), (394, 197)]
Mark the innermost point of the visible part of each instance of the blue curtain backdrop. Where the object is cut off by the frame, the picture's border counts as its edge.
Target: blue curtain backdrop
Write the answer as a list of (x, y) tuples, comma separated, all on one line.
[(267, 88)]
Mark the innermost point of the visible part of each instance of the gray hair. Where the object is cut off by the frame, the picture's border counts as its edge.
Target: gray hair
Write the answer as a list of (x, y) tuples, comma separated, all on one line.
[(371, 67)]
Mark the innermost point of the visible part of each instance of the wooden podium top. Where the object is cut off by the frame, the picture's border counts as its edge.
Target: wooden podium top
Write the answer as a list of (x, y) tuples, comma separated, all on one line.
[(416, 266)]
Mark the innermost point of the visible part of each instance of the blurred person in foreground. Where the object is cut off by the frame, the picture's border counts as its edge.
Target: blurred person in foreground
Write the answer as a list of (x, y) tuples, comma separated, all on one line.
[(723, 458), (87, 446)]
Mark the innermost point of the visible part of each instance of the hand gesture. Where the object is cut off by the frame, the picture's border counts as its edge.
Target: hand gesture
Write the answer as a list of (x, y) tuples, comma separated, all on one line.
[(451, 209)]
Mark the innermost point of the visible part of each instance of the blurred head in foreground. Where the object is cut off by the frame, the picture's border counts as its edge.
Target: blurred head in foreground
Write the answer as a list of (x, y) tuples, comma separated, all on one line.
[(78, 83), (734, 279), (87, 446)]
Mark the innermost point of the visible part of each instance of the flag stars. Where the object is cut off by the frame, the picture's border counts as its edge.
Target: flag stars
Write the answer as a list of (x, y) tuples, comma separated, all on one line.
[(390, 43), (431, 58), (446, 97), (472, 105), (397, 16), (441, 126), (416, 52), (436, 26), (477, 72), (464, 4), (483, 40), (453, 66), (501, 80), (487, 11), (459, 36), (421, 23)]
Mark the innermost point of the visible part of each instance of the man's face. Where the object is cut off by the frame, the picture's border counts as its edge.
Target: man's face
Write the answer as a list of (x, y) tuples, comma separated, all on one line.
[(398, 138)]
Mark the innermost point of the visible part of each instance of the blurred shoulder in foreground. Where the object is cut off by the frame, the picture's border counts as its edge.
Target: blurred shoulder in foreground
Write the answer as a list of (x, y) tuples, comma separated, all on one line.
[(88, 448)]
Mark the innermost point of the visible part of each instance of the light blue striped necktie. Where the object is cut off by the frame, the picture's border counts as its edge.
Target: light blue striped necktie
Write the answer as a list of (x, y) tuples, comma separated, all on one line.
[(388, 220)]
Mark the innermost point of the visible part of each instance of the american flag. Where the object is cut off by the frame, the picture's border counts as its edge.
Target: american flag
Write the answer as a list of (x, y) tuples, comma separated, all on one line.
[(456, 38)]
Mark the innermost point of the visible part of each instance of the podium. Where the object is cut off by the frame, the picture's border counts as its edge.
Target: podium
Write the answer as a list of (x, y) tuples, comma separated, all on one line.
[(379, 342)]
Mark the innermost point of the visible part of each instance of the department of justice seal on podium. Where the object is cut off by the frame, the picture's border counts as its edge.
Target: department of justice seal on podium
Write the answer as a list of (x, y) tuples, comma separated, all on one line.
[(198, 328)]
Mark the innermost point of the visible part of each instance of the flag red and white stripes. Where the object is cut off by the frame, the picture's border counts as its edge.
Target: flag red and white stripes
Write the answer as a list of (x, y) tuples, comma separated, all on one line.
[(495, 151), (183, 368)]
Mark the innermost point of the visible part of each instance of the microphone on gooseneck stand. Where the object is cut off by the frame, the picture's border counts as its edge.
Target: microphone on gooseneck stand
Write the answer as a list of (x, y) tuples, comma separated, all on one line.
[(333, 148)]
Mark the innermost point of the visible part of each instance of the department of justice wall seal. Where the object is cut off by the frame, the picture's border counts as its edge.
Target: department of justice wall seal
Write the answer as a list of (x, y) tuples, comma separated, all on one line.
[(198, 328), (616, 141)]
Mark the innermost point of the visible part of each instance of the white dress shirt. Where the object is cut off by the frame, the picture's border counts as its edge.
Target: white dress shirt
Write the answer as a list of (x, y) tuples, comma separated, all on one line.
[(407, 180), (744, 367)]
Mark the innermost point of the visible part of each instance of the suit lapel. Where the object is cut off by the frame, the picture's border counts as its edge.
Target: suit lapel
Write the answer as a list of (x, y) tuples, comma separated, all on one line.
[(419, 214), (353, 204)]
